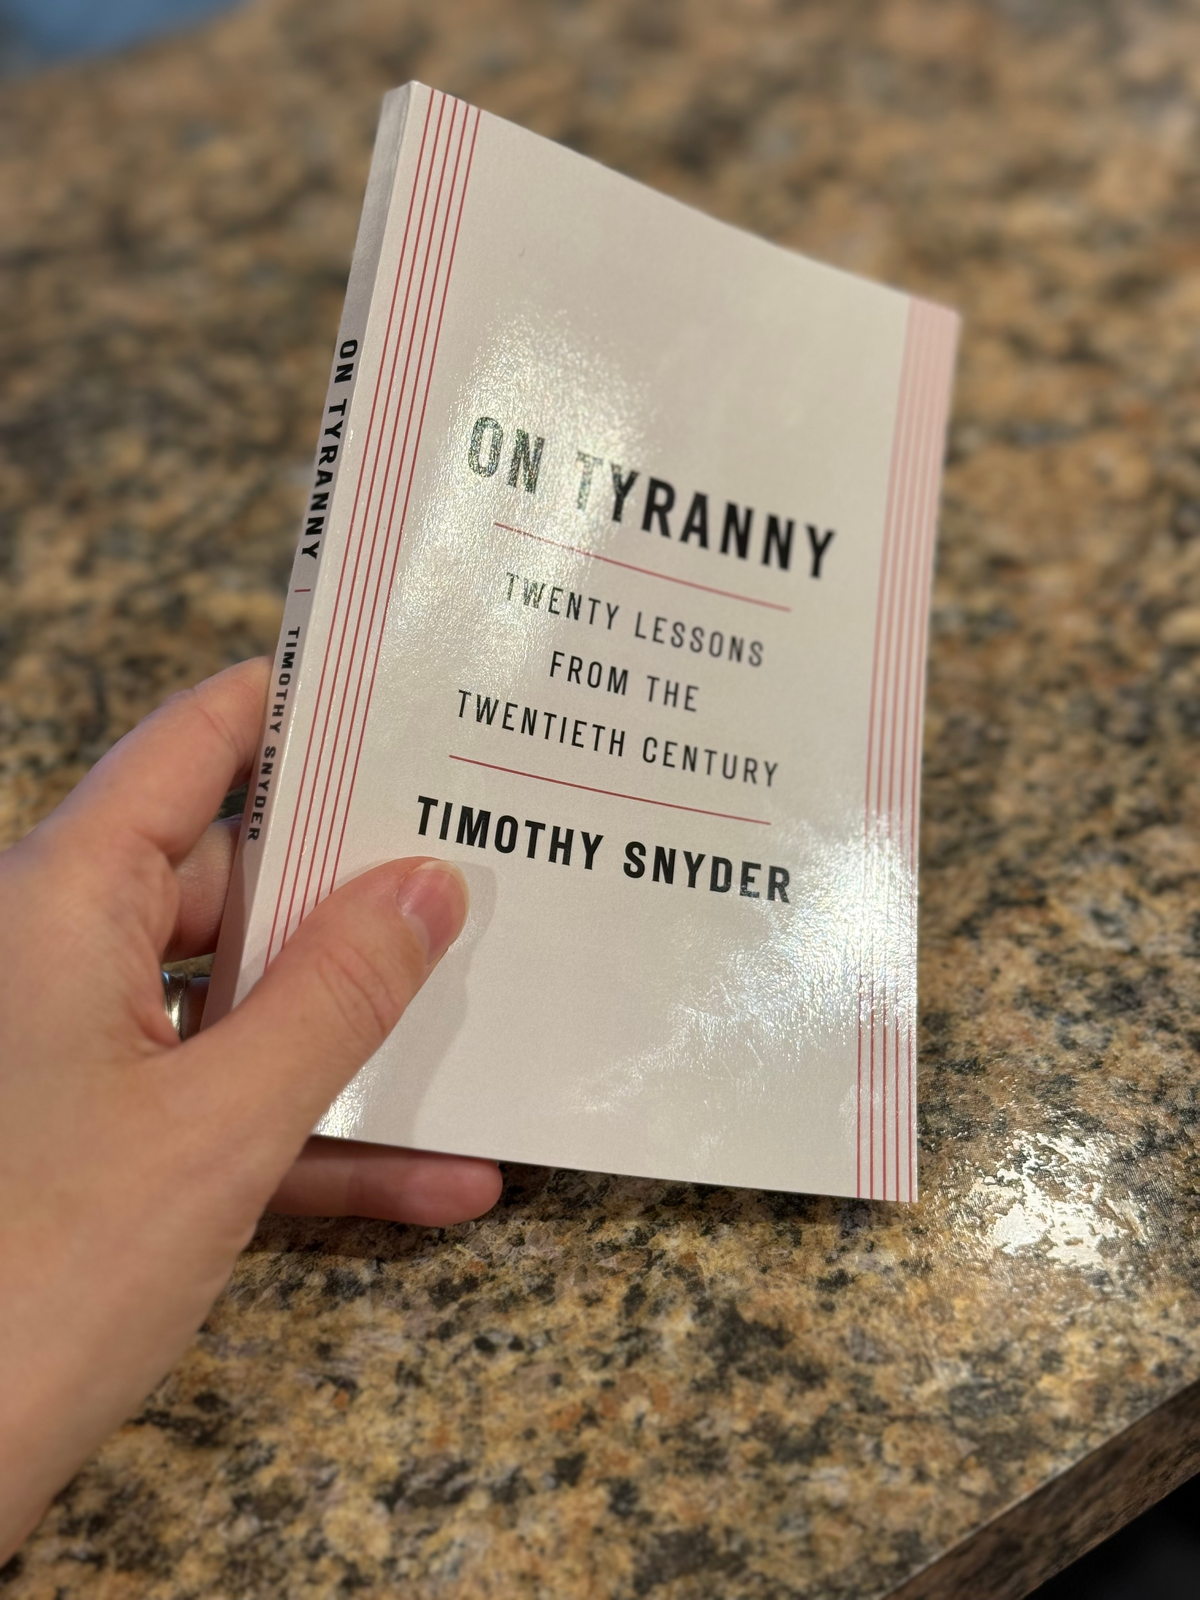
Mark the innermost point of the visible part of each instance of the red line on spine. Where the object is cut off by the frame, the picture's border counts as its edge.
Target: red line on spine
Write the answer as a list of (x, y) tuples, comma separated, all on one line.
[(926, 385), (615, 794), (886, 752), (393, 406), (914, 685), (926, 531), (868, 861), (400, 475), (908, 805), (408, 493), (942, 332), (349, 535), (912, 581), (877, 714), (950, 342), (881, 830), (892, 978), (647, 572), (868, 847), (947, 326), (899, 730), (324, 815), (915, 576)]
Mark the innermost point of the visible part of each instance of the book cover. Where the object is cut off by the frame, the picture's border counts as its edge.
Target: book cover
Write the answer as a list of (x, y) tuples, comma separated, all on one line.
[(612, 587)]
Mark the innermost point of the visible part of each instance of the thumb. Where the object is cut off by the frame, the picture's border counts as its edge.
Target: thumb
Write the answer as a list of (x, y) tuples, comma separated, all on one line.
[(331, 997)]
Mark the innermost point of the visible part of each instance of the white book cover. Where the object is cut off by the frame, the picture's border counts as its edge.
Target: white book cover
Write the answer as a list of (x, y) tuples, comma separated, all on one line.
[(612, 587)]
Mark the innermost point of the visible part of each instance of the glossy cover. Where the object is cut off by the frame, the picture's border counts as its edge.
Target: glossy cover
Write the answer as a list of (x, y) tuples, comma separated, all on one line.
[(612, 587)]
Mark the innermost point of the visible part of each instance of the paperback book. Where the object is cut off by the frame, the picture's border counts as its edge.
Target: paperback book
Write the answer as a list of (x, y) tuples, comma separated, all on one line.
[(612, 587)]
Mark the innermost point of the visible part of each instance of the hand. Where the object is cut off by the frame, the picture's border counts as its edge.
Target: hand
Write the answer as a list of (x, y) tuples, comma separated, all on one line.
[(135, 1167)]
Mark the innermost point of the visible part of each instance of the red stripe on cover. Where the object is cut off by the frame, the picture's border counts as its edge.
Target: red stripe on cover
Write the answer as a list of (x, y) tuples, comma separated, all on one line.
[(900, 455), (368, 598), (646, 572), (462, 197), (943, 335), (892, 824), (615, 794), (418, 189), (383, 592), (896, 744), (886, 750), (381, 424), (896, 895), (928, 455), (892, 787)]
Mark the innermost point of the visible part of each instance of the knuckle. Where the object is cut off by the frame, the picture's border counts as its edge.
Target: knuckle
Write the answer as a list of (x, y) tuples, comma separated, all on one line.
[(219, 724), (194, 703)]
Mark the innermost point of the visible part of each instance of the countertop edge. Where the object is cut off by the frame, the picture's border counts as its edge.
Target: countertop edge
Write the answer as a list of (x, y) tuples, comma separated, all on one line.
[(1057, 1524)]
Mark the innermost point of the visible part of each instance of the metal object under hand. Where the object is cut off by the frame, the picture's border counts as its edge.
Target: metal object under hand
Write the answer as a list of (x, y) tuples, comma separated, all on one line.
[(175, 996)]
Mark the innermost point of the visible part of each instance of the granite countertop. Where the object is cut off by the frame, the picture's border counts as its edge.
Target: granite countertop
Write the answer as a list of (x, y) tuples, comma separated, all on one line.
[(623, 1388)]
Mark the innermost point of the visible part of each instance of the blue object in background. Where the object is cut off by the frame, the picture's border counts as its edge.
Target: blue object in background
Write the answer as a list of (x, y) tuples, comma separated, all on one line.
[(38, 31)]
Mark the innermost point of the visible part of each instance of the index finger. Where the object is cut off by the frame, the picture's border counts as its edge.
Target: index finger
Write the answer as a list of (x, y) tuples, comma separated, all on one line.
[(165, 780)]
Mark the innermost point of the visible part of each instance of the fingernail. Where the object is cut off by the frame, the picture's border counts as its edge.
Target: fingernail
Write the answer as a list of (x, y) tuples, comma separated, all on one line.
[(433, 901)]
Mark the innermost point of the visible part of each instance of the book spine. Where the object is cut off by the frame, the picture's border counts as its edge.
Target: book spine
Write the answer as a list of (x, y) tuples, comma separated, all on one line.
[(310, 563)]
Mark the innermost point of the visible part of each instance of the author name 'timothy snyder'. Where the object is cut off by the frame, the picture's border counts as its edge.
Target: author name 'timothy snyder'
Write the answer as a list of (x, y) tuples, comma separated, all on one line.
[(559, 845)]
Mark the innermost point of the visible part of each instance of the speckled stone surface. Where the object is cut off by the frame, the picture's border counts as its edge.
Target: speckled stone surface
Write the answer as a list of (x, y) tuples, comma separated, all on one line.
[(613, 1388)]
